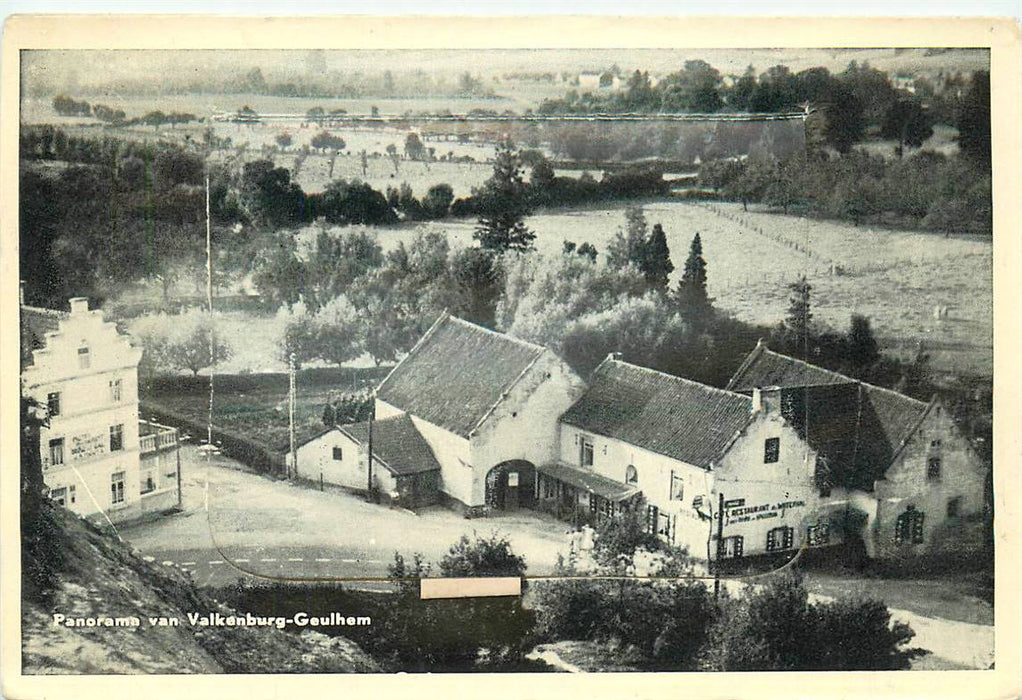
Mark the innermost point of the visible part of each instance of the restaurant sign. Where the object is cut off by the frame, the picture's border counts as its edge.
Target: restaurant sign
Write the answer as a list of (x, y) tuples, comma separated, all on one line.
[(763, 511), (87, 446)]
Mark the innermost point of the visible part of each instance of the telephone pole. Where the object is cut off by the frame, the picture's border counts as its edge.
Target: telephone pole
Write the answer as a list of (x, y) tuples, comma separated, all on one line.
[(369, 477), (291, 414), (720, 546)]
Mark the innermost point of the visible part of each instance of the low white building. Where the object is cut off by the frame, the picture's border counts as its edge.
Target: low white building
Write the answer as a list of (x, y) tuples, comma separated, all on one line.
[(404, 469), (679, 448), (99, 460), (487, 405)]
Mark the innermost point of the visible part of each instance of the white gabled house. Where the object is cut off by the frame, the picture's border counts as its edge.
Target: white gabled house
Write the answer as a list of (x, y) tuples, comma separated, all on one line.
[(99, 460), (487, 405), (682, 446), (895, 472)]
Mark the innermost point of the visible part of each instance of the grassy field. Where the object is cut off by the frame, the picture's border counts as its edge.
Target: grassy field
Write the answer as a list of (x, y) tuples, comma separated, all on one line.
[(895, 278)]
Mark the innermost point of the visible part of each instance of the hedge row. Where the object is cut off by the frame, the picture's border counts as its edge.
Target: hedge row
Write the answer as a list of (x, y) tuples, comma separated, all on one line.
[(257, 457)]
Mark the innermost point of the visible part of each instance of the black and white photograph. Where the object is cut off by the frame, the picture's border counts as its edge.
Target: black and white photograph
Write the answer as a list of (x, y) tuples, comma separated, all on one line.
[(692, 347)]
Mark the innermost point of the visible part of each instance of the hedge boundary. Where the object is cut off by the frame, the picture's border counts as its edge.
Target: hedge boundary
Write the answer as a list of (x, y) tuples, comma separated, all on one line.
[(259, 458)]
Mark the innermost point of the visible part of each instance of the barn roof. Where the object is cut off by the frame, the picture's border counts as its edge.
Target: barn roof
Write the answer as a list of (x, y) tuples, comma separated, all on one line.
[(457, 373), (764, 368), (856, 427), (675, 417), (397, 443)]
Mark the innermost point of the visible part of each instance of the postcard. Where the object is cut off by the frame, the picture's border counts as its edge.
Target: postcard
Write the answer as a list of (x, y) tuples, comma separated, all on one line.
[(371, 353)]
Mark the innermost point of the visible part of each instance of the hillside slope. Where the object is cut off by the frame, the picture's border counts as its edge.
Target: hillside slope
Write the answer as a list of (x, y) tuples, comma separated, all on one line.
[(84, 572)]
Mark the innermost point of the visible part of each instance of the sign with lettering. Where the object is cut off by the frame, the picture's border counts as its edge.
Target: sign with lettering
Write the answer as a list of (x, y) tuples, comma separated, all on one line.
[(88, 446), (760, 512), (734, 503), (512, 478)]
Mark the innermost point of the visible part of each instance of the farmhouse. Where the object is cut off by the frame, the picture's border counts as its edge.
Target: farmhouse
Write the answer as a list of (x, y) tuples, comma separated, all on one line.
[(99, 460), (404, 470), (894, 471), (684, 448), (487, 406)]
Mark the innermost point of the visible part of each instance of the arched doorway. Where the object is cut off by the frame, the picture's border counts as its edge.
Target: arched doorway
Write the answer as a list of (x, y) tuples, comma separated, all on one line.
[(511, 485)]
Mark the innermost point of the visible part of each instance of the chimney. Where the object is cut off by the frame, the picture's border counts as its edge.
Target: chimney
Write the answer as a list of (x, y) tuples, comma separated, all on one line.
[(79, 305), (766, 399)]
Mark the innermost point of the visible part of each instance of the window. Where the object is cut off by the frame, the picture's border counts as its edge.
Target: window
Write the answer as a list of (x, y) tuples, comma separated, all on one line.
[(549, 487), (116, 437), (954, 507), (586, 456), (631, 474), (115, 390), (607, 508), (908, 529), (664, 526), (56, 451), (771, 450), (148, 482), (117, 487), (594, 505), (338, 453), (933, 469), (59, 496), (818, 534), (652, 516), (53, 403), (83, 357), (677, 487), (730, 547), (780, 538)]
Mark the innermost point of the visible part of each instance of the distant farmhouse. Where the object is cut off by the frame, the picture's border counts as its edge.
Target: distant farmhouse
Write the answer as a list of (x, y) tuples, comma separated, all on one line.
[(99, 460), (788, 456)]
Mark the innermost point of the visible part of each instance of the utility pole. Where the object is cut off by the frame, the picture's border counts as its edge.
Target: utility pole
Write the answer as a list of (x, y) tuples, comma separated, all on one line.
[(720, 546), (369, 477), (212, 331), (291, 414)]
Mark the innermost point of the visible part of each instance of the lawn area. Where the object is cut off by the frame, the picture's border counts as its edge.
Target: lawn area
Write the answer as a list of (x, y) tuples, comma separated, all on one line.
[(255, 405)]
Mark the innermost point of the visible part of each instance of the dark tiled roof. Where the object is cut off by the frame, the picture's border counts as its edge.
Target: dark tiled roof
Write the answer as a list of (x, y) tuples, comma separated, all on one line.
[(589, 481), (763, 368), (457, 373), (668, 415), (397, 443), (856, 427), (35, 324)]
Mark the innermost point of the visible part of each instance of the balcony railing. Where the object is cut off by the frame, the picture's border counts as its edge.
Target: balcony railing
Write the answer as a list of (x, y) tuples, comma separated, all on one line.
[(153, 437)]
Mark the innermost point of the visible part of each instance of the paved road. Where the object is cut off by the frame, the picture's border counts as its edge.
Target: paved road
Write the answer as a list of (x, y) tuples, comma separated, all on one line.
[(209, 567)]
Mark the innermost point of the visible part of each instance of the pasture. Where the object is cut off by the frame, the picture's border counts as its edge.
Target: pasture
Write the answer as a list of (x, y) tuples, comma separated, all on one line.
[(895, 278)]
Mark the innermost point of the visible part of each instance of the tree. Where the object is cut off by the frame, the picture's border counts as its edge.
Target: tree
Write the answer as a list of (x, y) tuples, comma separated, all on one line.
[(974, 121), (479, 276), (656, 262), (437, 202), (798, 322), (629, 246), (326, 141), (284, 139), (395, 157), (863, 351), (503, 205), (907, 122), (279, 274), (691, 296), (269, 196), (482, 556), (844, 122), (414, 148)]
